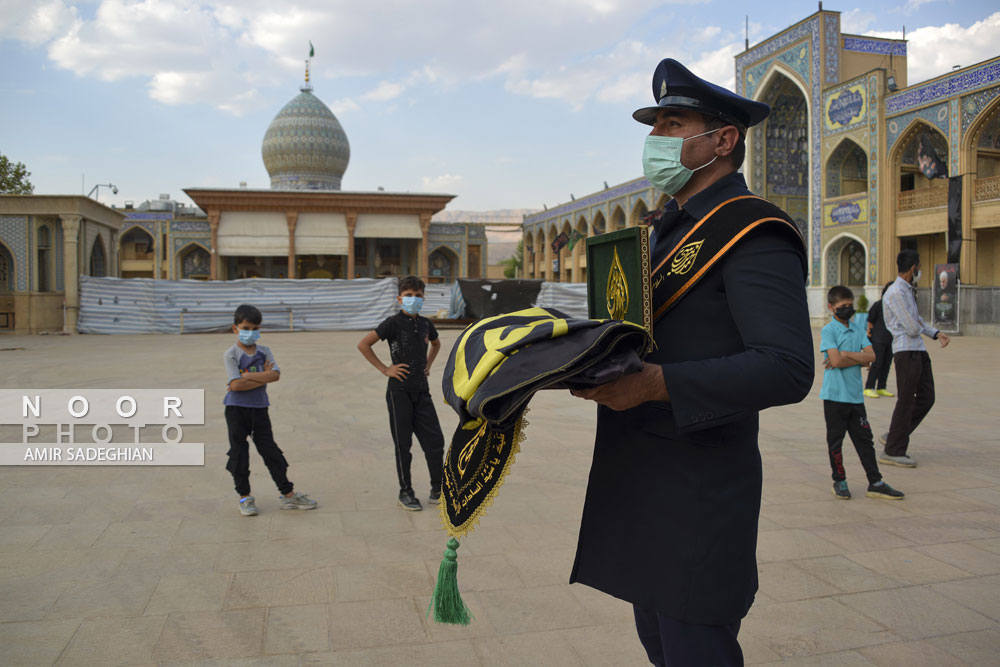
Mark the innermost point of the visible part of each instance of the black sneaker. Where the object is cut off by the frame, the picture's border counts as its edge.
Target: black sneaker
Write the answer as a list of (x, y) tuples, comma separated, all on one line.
[(882, 490), (408, 501), (841, 491), (435, 496)]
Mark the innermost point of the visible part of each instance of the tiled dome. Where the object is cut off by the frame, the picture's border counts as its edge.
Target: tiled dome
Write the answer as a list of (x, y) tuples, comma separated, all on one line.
[(305, 148)]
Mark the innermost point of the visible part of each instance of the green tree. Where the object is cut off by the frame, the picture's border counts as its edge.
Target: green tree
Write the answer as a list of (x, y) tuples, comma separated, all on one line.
[(515, 261), (14, 178)]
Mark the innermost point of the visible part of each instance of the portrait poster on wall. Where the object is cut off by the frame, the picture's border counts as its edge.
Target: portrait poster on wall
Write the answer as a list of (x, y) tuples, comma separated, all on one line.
[(944, 313)]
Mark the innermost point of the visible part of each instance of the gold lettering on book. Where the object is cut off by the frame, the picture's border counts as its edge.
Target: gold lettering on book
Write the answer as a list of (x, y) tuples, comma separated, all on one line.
[(617, 293)]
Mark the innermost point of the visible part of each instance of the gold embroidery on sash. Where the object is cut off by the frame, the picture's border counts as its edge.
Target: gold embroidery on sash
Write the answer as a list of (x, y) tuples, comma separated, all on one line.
[(470, 447), (684, 259), (617, 292)]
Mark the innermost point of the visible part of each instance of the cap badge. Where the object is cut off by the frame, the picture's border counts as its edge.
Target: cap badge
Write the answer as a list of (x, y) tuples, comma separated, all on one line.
[(663, 89)]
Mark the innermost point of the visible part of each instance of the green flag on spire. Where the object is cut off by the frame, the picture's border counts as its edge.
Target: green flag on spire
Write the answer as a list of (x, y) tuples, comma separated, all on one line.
[(312, 51)]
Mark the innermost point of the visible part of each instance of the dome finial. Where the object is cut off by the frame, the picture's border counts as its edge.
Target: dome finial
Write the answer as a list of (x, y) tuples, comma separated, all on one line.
[(308, 87)]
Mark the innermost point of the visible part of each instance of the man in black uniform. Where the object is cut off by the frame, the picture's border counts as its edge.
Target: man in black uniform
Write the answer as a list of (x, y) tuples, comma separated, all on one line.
[(670, 520)]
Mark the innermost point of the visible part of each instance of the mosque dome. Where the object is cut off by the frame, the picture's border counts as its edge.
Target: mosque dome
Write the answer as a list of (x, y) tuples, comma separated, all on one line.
[(305, 148)]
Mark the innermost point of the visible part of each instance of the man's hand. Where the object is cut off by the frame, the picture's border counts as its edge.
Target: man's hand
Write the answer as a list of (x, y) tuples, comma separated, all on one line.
[(427, 370), (944, 338), (629, 390), (398, 371), (268, 366)]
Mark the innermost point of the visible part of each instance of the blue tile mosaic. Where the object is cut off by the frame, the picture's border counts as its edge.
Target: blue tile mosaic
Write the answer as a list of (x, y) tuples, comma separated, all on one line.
[(831, 39), (873, 185), (878, 46), (938, 116), (955, 84), (975, 104), (13, 233)]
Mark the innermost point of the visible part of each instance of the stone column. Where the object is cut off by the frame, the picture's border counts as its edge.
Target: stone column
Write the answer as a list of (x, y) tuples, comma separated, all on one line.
[(292, 218), (213, 260), (71, 269), (351, 218), (425, 226)]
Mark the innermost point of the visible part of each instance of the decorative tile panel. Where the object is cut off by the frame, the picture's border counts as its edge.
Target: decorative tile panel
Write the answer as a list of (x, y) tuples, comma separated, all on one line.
[(846, 212), (938, 116), (873, 185), (57, 251), (974, 104), (883, 47), (190, 226), (948, 86), (13, 233), (845, 107), (831, 39)]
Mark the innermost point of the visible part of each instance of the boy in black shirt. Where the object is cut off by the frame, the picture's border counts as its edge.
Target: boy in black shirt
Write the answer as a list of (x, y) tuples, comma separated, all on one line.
[(411, 410), (881, 340)]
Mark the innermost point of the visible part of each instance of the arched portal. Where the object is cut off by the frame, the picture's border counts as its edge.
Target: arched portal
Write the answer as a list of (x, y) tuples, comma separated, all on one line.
[(921, 168), (44, 250), (137, 253), (194, 262), (639, 212), (98, 259), (984, 241), (617, 219), (846, 260), (847, 170), (579, 250), (443, 261), (786, 149), (6, 269)]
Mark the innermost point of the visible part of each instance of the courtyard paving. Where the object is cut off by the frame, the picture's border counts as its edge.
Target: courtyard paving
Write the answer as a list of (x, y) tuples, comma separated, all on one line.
[(142, 566)]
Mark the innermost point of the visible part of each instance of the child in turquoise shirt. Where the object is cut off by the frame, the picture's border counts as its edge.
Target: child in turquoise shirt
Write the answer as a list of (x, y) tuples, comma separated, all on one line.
[(846, 348)]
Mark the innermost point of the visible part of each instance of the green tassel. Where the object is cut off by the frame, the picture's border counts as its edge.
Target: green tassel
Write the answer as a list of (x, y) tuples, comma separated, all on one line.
[(447, 601)]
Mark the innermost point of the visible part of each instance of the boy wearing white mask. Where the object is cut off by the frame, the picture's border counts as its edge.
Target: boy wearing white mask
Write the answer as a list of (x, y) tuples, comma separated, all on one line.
[(250, 367), (408, 398)]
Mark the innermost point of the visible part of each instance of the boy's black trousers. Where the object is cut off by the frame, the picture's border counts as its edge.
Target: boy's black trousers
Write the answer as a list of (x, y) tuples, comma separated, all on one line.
[(878, 372), (255, 423), (842, 418), (412, 413)]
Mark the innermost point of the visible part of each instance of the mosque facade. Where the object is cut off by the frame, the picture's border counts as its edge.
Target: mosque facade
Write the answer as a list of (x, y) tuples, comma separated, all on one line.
[(845, 153)]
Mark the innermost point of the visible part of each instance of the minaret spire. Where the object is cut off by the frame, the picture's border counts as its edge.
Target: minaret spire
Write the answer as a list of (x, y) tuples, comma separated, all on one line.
[(308, 87)]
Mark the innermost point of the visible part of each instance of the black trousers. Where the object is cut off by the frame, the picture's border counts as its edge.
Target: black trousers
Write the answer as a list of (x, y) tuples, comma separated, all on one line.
[(914, 398), (671, 643), (878, 373), (849, 418), (255, 423), (412, 413)]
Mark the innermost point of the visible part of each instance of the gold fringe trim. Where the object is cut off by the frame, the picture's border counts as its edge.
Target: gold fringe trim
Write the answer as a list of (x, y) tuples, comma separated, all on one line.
[(459, 532)]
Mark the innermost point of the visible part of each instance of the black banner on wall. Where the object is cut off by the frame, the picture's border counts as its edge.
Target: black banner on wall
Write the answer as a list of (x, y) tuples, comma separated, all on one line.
[(954, 219)]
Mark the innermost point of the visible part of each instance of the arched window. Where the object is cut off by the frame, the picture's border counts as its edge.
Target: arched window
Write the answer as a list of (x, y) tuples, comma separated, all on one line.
[(6, 270), (44, 258), (852, 269), (847, 170), (97, 259)]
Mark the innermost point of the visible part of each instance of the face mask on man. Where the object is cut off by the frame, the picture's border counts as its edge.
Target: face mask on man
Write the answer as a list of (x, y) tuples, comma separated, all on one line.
[(916, 277), (661, 162), (412, 304), (249, 336), (844, 313)]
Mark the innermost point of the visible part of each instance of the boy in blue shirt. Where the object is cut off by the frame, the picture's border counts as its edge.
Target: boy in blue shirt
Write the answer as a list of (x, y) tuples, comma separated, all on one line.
[(846, 348), (250, 367)]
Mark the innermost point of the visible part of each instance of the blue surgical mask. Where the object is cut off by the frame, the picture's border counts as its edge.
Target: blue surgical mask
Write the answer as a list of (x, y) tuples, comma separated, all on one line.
[(661, 162), (249, 336), (412, 304)]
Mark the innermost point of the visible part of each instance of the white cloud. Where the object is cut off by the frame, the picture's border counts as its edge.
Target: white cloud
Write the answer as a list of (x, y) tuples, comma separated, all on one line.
[(444, 183), (934, 50), (856, 21), (34, 22)]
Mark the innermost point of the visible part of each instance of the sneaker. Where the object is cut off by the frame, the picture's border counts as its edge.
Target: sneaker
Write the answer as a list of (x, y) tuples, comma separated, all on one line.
[(882, 490), (903, 461), (297, 501), (248, 507), (435, 496), (408, 501), (885, 392), (841, 491), (884, 438), (871, 393)]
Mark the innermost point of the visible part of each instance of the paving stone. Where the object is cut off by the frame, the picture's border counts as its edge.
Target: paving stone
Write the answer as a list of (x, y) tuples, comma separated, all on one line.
[(73, 536), (607, 645), (908, 654), (114, 641), (120, 595), (297, 629), (972, 648), (791, 544), (532, 609), (35, 643), (450, 654), (211, 635), (966, 556), (375, 623), (382, 581), (845, 574), (814, 627), (916, 612), (785, 582), (936, 529), (908, 566), (551, 649), (189, 592), (981, 594), (280, 588)]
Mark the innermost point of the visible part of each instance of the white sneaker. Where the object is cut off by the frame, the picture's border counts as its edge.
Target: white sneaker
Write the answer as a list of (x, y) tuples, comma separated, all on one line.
[(248, 507), (298, 501)]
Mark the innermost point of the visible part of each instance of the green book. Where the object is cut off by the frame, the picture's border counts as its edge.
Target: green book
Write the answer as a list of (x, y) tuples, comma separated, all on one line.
[(618, 267)]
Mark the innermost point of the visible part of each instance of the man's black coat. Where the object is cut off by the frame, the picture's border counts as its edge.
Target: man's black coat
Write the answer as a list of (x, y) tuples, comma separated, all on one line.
[(670, 520)]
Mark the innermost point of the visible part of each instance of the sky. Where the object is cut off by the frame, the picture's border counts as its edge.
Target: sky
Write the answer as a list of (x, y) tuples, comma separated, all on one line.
[(510, 104)]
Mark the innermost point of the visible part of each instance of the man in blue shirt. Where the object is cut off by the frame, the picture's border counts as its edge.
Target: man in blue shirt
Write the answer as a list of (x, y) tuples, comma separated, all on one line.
[(846, 349)]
